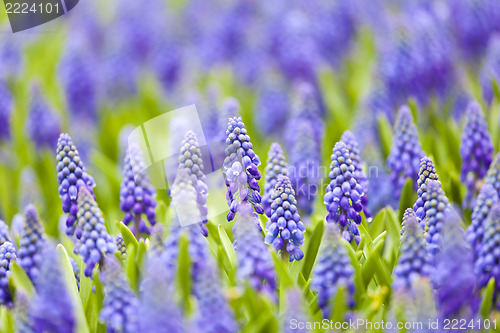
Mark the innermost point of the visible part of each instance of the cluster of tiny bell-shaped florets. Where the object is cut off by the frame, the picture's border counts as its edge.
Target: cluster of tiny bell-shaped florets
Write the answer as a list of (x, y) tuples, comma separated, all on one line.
[(31, 243), (190, 159), (4, 232), (406, 151), (343, 194), (414, 259), (407, 215), (95, 242), (137, 195), (276, 166), (120, 245), (333, 271), (436, 207), (240, 167), (71, 175), (7, 255), (486, 199), (476, 150), (427, 172), (493, 175), (285, 230)]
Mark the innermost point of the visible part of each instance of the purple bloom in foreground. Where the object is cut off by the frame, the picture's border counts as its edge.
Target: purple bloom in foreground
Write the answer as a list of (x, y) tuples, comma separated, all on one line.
[(414, 260), (436, 207), (276, 166), (6, 106), (7, 255), (427, 172), (120, 306), (332, 271), (486, 199), (71, 175), (43, 124), (95, 242), (24, 323), (406, 151), (343, 194), (52, 309), (31, 243), (285, 230), (295, 310), (137, 195), (476, 150)]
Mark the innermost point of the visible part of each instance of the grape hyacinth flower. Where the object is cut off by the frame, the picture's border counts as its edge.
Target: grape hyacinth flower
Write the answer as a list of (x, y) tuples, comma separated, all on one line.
[(343, 194), (23, 320), (491, 68), (167, 63), (191, 160), (137, 195), (71, 175), (486, 199), (332, 271), (272, 107), (454, 279), (352, 145), (488, 262), (51, 309), (285, 230), (255, 261), (6, 106), (436, 206), (476, 151), (407, 215), (76, 271), (240, 169), (295, 310), (406, 151), (120, 245), (7, 255), (4, 232), (31, 243), (95, 242), (276, 166), (493, 175), (120, 305), (119, 75), (414, 260), (43, 124), (427, 172)]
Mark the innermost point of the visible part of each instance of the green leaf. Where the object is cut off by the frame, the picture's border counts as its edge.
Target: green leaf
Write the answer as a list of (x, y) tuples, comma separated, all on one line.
[(227, 246), (408, 197), (377, 225), (339, 306), (131, 267), (487, 299), (69, 278), (385, 134), (312, 249), (141, 254), (282, 271), (358, 276), (21, 280), (128, 236)]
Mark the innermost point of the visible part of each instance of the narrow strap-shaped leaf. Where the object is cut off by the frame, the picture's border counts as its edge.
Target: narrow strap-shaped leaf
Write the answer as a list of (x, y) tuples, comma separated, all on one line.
[(487, 299), (21, 280), (312, 250), (227, 246), (128, 236)]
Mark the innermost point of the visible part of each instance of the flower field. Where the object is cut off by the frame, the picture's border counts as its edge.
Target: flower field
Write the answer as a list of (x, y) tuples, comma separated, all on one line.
[(283, 166)]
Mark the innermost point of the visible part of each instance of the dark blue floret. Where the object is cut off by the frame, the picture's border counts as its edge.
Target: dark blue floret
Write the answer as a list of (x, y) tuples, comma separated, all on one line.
[(276, 166), (436, 207), (7, 255), (31, 243), (427, 172)]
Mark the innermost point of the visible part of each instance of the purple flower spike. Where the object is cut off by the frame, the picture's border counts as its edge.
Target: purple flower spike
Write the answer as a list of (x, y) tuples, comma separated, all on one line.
[(476, 151), (352, 145), (285, 230), (436, 207), (32, 243), (71, 175), (414, 260), (6, 106), (4, 232), (333, 270), (76, 271), (43, 123), (491, 68), (120, 245), (120, 305), (486, 199), (343, 193), (240, 169), (493, 175), (94, 242), (427, 172), (406, 152), (52, 309), (276, 166), (7, 255), (295, 310), (407, 215), (137, 195), (255, 261), (272, 107), (24, 323)]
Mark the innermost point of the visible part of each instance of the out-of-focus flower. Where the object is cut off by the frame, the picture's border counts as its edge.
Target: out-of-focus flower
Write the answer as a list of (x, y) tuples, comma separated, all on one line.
[(240, 169), (17, 225), (120, 304), (43, 123), (435, 206), (427, 172), (493, 175), (137, 195), (255, 261), (491, 68), (414, 260), (406, 151), (120, 245), (31, 193), (11, 57), (354, 154), (95, 242), (31, 243), (285, 230), (453, 276), (276, 166), (24, 323), (476, 150), (71, 175), (167, 62), (51, 309), (272, 107), (343, 194), (407, 215), (7, 255), (76, 272), (333, 271), (119, 75), (4, 232), (486, 199), (6, 106), (295, 310)]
